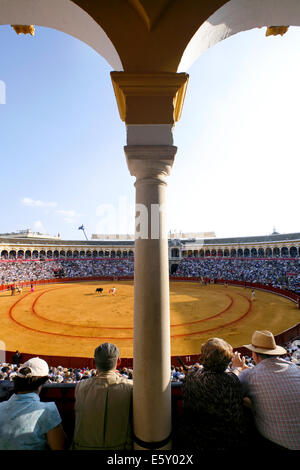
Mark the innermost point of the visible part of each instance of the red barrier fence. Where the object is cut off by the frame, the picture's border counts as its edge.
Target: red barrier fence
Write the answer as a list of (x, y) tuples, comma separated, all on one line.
[(81, 362)]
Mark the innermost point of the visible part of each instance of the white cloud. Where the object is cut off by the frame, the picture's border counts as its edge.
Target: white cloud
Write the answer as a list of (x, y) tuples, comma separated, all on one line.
[(67, 213), (70, 216), (26, 201), (38, 226)]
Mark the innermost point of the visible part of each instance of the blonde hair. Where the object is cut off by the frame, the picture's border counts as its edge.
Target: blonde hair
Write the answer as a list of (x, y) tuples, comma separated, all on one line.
[(216, 355)]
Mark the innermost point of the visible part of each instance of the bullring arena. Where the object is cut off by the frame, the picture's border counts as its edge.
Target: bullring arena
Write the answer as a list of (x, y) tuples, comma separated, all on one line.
[(72, 319), (50, 306), (186, 289), (210, 291)]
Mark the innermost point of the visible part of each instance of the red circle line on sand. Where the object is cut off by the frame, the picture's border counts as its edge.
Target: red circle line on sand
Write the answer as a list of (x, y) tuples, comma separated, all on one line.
[(118, 338), (221, 326), (33, 309), (50, 332)]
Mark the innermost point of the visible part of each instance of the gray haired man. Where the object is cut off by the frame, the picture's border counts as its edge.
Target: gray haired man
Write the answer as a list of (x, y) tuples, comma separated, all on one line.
[(103, 405)]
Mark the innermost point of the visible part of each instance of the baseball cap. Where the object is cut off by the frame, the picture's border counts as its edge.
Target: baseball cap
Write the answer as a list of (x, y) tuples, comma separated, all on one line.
[(38, 368)]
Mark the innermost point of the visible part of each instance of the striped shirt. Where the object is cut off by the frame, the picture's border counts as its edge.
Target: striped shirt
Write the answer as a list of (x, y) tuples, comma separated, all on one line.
[(273, 387)]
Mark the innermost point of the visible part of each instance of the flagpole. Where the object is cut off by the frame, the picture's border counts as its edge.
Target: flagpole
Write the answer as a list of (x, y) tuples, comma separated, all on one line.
[(82, 228)]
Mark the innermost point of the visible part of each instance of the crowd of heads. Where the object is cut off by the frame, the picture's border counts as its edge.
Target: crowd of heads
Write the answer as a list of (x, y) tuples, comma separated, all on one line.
[(282, 273), (59, 374), (215, 354), (21, 271)]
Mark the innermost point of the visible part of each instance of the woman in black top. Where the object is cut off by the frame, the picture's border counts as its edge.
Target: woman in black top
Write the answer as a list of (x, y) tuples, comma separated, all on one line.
[(213, 411)]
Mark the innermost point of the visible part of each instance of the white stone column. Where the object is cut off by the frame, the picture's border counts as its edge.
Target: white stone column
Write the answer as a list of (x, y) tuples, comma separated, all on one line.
[(151, 164)]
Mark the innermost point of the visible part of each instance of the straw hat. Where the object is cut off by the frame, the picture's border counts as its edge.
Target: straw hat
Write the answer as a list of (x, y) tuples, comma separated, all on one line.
[(264, 342)]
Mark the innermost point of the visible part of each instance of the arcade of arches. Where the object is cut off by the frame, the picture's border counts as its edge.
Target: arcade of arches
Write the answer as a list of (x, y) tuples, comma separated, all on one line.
[(147, 43)]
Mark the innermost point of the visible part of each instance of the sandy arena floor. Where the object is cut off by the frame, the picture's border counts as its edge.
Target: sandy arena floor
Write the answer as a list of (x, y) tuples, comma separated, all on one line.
[(72, 319)]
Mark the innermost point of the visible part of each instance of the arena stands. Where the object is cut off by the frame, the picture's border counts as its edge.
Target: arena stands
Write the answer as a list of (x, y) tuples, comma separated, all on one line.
[(18, 271), (282, 273), (276, 272)]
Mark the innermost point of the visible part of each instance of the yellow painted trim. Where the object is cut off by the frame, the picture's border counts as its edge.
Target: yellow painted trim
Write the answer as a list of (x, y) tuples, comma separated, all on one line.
[(275, 30), (166, 89), (23, 29)]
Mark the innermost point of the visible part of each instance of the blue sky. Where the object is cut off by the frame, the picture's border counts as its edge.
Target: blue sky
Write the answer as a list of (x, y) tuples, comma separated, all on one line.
[(62, 161)]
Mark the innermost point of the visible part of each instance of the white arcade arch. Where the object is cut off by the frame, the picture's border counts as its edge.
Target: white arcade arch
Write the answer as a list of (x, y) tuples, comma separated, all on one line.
[(64, 16), (237, 16)]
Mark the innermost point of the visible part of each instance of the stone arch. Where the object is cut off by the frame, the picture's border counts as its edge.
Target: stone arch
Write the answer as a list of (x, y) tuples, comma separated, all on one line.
[(269, 252), (261, 253), (284, 251), (65, 16), (293, 252), (12, 254), (237, 16), (276, 251)]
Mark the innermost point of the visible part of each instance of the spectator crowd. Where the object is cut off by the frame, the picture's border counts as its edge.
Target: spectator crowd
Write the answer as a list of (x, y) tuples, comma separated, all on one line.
[(61, 374), (18, 271), (282, 273), (225, 406)]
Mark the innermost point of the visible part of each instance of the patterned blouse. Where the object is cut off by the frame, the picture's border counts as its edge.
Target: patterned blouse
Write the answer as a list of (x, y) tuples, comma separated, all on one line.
[(213, 412)]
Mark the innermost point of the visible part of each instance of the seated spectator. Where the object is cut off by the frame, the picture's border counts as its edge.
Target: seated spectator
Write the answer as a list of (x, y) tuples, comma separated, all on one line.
[(25, 422), (273, 387), (213, 412), (103, 405)]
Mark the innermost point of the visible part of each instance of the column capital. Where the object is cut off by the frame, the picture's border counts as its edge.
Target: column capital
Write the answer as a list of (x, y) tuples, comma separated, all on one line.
[(146, 162), (150, 98)]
